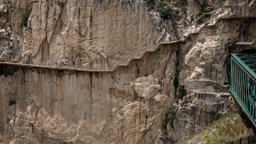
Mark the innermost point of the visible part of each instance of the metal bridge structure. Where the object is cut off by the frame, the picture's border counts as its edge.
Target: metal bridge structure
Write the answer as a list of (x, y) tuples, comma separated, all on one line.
[(243, 82)]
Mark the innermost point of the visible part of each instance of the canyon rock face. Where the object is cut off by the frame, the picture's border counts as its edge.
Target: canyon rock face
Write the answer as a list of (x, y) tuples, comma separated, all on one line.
[(129, 105), (208, 57), (205, 74), (92, 34), (51, 106), (198, 111)]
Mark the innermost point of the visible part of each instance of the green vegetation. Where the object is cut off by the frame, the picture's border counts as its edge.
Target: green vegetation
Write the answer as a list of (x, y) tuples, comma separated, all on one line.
[(204, 13), (222, 2), (169, 117), (176, 83), (222, 131), (162, 7), (24, 19), (204, 10), (164, 10), (151, 4), (207, 138), (182, 92), (216, 140)]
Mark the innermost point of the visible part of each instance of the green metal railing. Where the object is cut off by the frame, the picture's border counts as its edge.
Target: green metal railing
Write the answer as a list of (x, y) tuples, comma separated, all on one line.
[(243, 82)]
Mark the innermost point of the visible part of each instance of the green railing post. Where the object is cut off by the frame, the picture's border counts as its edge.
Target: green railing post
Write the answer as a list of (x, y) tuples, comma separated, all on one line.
[(243, 82)]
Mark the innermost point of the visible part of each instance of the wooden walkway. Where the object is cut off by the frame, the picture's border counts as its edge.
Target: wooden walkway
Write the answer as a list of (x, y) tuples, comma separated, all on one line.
[(51, 67)]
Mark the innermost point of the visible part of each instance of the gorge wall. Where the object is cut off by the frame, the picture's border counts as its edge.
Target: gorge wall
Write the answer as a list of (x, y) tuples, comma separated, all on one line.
[(95, 34), (40, 105), (51, 106)]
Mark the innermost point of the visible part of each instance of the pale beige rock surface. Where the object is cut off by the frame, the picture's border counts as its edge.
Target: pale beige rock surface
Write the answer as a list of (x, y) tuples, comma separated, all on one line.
[(60, 107), (199, 112), (94, 34), (97, 34), (126, 106)]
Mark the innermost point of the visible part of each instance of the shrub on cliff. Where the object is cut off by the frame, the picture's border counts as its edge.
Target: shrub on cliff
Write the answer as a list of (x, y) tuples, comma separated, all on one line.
[(169, 117), (164, 10), (24, 19), (176, 83), (204, 13), (151, 4), (231, 129), (182, 92), (204, 10), (161, 7)]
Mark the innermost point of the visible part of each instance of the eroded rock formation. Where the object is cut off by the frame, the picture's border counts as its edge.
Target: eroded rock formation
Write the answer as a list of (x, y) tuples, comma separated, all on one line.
[(41, 105)]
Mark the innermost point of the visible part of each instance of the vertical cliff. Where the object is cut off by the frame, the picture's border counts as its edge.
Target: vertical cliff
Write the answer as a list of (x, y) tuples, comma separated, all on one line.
[(51, 106), (176, 89), (95, 34)]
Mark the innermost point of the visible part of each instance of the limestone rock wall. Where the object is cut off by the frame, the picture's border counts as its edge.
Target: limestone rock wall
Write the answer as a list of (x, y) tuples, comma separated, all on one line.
[(204, 70), (94, 34), (50, 106), (207, 57), (199, 111), (127, 106)]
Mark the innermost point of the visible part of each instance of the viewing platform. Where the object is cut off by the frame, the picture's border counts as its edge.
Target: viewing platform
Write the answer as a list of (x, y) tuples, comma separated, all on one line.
[(243, 82)]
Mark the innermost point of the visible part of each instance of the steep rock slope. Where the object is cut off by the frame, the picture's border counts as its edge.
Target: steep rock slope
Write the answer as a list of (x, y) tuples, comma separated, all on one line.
[(93, 34), (128, 106), (51, 106), (204, 70)]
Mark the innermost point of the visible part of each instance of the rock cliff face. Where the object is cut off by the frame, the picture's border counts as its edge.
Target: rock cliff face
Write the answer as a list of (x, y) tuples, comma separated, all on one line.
[(40, 105), (209, 57), (205, 74), (94, 34), (50, 106), (198, 111)]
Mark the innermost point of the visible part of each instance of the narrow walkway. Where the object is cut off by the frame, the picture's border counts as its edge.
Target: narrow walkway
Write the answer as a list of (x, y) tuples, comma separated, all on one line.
[(225, 12), (50, 67)]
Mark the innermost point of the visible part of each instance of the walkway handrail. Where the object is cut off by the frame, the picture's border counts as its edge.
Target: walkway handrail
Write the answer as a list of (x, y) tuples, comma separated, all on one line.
[(248, 70), (243, 86)]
